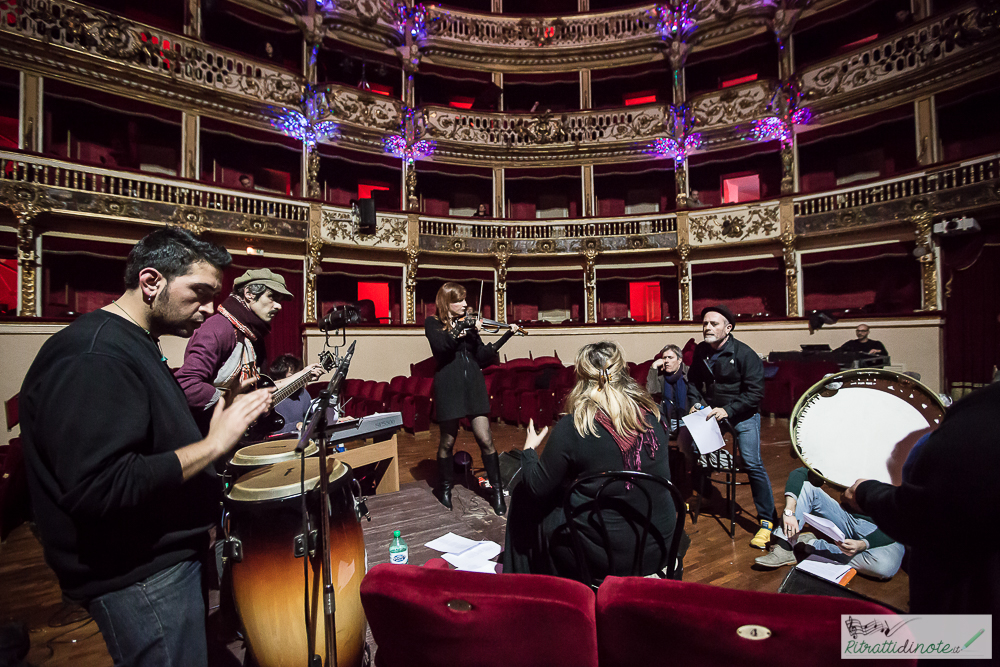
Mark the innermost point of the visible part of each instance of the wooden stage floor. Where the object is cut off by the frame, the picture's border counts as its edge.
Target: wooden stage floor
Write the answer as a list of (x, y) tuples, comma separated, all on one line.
[(64, 636)]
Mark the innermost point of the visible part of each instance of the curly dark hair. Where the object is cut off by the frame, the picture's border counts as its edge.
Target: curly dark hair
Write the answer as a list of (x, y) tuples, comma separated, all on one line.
[(172, 251)]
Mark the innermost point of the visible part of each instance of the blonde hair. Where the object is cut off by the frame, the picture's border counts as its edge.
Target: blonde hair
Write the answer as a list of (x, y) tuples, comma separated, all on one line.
[(603, 383), (448, 294)]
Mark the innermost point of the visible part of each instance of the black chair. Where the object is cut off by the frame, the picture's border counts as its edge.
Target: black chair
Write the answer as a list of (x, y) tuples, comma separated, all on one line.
[(603, 503), (729, 464)]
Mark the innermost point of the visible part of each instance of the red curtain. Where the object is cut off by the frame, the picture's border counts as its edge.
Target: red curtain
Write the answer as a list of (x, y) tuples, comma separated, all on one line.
[(971, 274)]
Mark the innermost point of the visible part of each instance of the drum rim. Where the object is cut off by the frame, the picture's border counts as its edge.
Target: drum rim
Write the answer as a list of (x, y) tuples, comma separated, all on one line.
[(793, 419), (339, 472), (310, 450)]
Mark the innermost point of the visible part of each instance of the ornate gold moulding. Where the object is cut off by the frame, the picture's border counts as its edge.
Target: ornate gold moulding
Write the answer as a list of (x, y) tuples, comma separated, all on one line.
[(90, 47), (30, 186)]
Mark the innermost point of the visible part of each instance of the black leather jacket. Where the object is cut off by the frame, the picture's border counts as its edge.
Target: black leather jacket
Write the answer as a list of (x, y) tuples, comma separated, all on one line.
[(735, 382)]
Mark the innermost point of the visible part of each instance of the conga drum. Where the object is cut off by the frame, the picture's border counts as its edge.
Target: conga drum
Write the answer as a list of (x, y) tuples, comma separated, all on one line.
[(273, 586), (862, 424), (258, 455)]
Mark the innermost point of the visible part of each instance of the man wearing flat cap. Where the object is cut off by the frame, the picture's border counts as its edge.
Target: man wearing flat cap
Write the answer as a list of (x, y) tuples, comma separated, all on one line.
[(728, 376), (228, 350)]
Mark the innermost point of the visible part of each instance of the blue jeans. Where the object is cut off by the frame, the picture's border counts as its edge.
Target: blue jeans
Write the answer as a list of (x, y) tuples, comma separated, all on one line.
[(747, 436), (157, 622), (882, 562)]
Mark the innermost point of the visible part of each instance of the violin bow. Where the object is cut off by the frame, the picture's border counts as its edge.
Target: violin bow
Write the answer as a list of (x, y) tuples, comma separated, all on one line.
[(479, 306)]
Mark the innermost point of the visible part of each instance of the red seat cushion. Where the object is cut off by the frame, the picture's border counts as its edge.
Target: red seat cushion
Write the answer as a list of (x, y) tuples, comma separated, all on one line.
[(641, 621), (445, 618)]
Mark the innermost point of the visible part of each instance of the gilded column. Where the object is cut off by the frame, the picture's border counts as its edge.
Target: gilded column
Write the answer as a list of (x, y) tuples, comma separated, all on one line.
[(928, 264), (790, 259), (585, 89), (684, 279), (590, 250), (410, 285), (681, 182), (925, 115), (589, 197), (26, 263), (191, 145), (31, 118), (314, 261), (192, 19), (501, 255), (499, 197)]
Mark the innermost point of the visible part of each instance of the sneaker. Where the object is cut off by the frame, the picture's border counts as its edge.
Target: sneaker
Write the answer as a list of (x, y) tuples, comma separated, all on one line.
[(778, 556), (763, 535)]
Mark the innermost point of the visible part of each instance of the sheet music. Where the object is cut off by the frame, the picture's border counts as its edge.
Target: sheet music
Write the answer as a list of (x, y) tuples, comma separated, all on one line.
[(704, 432)]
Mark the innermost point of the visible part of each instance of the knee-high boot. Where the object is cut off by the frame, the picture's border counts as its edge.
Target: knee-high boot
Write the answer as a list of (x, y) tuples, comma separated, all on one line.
[(492, 464), (446, 477)]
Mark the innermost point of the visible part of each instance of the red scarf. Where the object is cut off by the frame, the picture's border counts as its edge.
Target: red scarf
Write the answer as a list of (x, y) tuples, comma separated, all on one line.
[(631, 443)]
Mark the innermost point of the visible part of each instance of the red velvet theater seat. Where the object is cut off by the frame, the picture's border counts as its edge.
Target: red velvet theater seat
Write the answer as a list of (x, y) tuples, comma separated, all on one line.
[(659, 621), (431, 617)]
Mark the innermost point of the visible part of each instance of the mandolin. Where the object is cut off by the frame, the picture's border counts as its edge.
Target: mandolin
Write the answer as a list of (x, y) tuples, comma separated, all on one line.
[(271, 421)]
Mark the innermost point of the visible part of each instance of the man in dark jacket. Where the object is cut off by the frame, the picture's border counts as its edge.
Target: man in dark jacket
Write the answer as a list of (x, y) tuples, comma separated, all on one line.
[(116, 465), (949, 492), (728, 376)]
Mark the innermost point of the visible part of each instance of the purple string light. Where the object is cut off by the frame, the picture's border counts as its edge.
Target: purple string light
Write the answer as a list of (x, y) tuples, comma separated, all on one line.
[(402, 145), (412, 20), (303, 126), (676, 20), (680, 150)]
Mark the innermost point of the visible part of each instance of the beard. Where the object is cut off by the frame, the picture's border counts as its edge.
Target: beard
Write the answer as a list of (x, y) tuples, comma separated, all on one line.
[(710, 338), (167, 318)]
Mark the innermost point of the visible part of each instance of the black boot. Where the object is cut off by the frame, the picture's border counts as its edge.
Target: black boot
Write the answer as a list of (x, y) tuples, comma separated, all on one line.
[(492, 464), (446, 476)]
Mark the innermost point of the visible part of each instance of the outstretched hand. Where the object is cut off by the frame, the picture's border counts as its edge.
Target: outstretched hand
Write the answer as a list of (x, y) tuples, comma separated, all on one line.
[(230, 422), (533, 438)]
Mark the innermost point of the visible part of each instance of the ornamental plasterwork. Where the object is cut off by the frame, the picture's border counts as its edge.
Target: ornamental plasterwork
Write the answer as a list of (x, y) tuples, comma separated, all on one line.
[(143, 48), (925, 44), (952, 201), (352, 106), (732, 105), (340, 227), (746, 223), (513, 131)]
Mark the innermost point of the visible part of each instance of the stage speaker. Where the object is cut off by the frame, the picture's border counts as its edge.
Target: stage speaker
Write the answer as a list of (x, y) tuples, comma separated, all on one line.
[(366, 217)]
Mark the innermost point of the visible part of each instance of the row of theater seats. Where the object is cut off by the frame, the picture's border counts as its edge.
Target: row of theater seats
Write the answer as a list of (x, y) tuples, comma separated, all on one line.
[(536, 389), (449, 618)]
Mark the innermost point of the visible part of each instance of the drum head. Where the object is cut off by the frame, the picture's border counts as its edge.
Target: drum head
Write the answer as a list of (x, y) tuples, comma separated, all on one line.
[(271, 451), (282, 480), (862, 423)]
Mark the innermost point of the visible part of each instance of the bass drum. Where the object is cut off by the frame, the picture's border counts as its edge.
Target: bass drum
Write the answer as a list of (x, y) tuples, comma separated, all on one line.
[(270, 585), (862, 424)]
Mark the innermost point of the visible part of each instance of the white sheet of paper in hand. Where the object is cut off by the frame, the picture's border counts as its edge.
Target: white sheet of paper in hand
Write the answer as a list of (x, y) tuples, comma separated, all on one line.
[(451, 543), (471, 564), (823, 567), (705, 432), (826, 526)]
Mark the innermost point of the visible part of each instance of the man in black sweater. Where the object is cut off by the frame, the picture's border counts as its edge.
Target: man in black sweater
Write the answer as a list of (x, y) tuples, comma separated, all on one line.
[(863, 344), (728, 376), (949, 493), (117, 467)]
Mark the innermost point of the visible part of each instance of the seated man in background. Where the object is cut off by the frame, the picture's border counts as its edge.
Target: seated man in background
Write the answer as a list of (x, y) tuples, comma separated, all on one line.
[(667, 378), (866, 548), (863, 344), (293, 409)]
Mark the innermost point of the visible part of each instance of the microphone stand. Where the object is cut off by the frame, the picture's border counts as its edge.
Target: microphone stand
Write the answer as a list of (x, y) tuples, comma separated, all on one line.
[(318, 424)]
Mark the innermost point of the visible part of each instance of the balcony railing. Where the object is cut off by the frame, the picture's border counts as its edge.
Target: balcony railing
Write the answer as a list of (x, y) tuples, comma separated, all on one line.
[(556, 229), (18, 168), (80, 28), (910, 185)]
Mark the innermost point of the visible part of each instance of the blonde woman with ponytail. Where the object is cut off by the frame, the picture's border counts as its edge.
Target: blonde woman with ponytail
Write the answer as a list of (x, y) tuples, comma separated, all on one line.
[(611, 424)]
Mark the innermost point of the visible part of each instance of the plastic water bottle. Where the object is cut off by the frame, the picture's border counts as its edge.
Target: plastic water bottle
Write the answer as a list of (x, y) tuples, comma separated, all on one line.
[(399, 554)]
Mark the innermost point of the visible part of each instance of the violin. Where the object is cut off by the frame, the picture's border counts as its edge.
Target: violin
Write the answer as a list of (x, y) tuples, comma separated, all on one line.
[(489, 326)]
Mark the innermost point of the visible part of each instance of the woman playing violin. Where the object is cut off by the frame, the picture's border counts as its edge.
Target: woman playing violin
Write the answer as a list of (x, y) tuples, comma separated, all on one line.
[(459, 387)]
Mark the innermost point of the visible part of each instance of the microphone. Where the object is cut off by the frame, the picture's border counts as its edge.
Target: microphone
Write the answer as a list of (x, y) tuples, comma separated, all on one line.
[(341, 372), (331, 389)]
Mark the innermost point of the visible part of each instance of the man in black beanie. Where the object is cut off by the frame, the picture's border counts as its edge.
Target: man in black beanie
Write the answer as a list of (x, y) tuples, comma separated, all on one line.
[(728, 376)]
